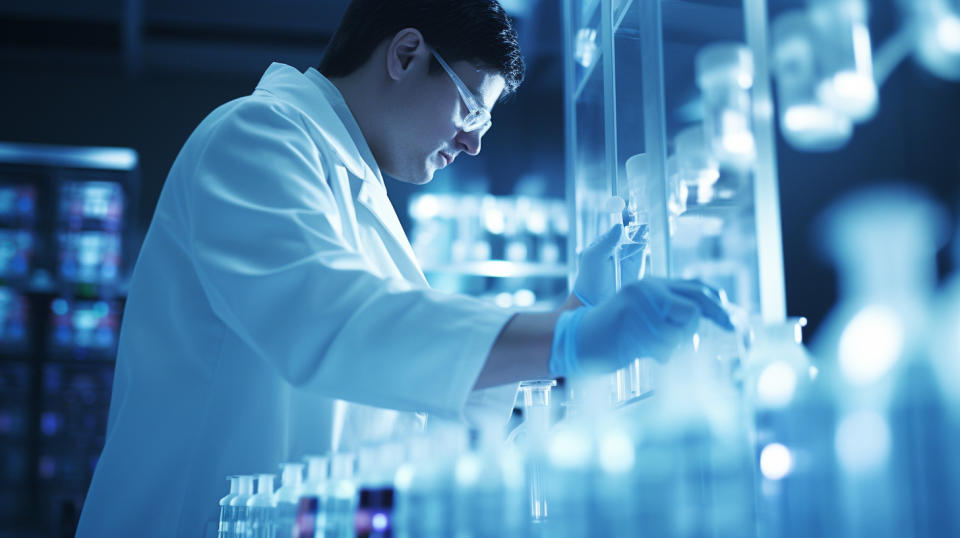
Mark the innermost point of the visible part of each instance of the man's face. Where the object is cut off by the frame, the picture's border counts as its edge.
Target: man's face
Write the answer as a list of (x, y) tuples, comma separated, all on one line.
[(428, 134)]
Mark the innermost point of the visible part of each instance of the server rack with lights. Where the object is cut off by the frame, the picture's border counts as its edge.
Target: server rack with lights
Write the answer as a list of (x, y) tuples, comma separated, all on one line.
[(66, 246)]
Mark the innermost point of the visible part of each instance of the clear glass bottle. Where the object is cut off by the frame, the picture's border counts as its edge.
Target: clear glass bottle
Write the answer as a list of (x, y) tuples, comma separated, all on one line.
[(806, 123), (261, 509), (287, 499), (341, 497), (725, 77), (845, 54), (239, 503), (228, 512), (887, 448)]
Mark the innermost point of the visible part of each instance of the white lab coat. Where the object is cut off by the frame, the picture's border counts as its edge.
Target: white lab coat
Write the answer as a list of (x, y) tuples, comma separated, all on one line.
[(274, 284)]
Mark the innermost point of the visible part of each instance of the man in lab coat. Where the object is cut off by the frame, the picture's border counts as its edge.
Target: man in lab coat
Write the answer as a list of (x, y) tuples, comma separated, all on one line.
[(276, 308)]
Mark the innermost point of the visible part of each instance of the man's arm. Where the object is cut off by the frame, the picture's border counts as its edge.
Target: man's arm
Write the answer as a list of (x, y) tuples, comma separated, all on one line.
[(522, 350)]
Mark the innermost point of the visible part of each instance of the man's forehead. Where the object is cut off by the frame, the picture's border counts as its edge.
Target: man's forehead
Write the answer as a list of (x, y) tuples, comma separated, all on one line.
[(486, 84)]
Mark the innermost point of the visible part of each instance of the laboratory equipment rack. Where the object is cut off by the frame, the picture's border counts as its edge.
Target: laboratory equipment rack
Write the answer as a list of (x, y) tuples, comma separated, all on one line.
[(67, 242)]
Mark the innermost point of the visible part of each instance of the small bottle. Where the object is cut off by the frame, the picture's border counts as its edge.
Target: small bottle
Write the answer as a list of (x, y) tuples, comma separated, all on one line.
[(286, 498), (239, 504), (725, 76), (227, 512), (806, 123), (262, 507), (844, 53), (341, 500)]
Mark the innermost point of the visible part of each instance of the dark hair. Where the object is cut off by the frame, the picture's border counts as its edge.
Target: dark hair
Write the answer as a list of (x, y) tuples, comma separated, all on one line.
[(478, 31)]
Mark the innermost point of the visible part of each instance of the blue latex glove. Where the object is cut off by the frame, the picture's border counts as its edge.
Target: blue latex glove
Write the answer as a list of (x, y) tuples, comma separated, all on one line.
[(647, 318), (595, 280)]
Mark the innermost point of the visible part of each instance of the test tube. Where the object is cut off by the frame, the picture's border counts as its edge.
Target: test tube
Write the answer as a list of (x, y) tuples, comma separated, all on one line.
[(844, 52), (805, 122), (637, 227), (536, 410), (698, 168), (725, 76)]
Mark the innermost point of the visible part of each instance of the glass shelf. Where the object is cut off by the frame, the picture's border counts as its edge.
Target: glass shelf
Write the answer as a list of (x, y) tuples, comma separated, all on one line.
[(501, 269)]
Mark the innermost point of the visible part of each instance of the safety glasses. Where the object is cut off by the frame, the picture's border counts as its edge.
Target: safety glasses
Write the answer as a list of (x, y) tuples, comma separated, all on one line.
[(478, 117)]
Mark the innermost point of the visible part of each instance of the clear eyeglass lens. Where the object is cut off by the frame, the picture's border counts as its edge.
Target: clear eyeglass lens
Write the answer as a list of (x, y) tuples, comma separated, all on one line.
[(476, 120)]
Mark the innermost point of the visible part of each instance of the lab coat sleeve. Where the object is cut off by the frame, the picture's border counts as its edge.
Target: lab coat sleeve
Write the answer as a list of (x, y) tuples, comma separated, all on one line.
[(267, 237)]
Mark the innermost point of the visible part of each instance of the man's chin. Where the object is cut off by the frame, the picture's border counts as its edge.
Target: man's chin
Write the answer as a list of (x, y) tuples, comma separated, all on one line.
[(426, 176)]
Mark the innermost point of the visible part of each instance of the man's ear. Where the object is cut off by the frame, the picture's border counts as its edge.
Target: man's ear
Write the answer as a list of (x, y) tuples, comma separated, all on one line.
[(405, 46)]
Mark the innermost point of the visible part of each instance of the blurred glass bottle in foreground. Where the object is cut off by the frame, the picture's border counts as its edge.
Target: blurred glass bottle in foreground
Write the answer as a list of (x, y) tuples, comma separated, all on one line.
[(889, 444)]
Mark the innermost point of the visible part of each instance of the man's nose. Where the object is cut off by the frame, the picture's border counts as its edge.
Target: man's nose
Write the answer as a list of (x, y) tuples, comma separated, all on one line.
[(470, 141)]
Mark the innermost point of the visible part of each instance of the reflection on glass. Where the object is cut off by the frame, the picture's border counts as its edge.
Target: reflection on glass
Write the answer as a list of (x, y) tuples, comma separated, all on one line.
[(586, 50)]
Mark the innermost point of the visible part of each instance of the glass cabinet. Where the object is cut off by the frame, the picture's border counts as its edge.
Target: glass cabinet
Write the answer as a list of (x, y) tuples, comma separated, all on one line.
[(669, 131)]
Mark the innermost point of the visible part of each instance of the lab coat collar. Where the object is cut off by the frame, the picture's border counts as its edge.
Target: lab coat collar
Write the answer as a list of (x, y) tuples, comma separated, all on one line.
[(343, 136)]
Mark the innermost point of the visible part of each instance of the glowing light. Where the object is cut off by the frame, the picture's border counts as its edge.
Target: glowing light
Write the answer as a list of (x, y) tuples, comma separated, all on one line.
[(425, 207), (814, 372), (379, 522), (616, 452), (739, 143), (776, 384), (467, 470), (503, 300), (776, 461), (948, 34), (811, 125), (707, 177), (404, 477), (696, 341), (850, 92), (862, 441), (870, 344), (494, 220), (568, 449), (524, 298)]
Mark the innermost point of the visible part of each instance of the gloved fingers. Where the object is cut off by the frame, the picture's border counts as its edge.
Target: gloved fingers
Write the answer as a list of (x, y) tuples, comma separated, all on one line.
[(653, 297), (681, 312), (710, 300), (664, 320), (602, 247)]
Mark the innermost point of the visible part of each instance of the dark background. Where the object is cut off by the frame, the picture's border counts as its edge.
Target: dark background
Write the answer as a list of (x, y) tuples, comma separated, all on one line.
[(144, 74)]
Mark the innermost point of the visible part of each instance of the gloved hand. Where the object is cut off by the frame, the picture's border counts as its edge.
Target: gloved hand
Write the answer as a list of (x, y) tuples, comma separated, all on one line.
[(595, 280), (647, 318)]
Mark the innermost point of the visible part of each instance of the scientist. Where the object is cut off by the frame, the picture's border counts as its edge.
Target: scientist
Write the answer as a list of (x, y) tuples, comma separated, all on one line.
[(276, 308)]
